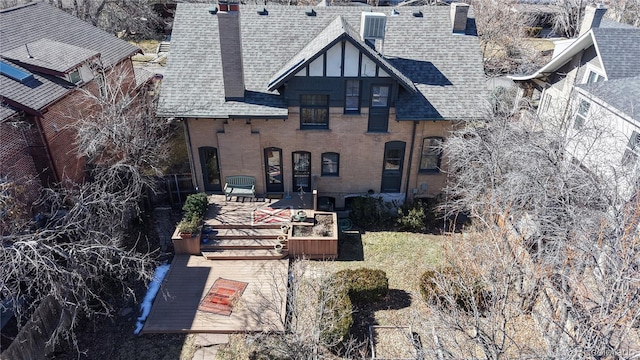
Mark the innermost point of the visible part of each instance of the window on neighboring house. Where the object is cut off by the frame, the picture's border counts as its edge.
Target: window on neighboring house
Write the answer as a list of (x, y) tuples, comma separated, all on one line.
[(581, 114), (314, 112), (75, 77), (633, 149), (594, 77), (330, 164), (352, 96), (431, 155)]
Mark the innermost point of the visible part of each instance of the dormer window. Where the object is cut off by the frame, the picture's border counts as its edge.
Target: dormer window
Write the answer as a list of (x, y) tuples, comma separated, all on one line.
[(75, 77)]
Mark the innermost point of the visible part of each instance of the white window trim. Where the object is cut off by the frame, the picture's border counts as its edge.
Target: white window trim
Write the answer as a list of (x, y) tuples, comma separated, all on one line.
[(592, 69), (577, 114)]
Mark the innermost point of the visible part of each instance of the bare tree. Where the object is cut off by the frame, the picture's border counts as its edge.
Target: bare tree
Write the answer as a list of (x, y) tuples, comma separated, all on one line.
[(318, 309), (558, 245), (76, 251), (502, 33)]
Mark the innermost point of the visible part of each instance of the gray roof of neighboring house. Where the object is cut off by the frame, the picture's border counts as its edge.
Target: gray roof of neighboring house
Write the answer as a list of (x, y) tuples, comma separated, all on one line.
[(57, 41), (445, 68), (35, 93), (6, 112), (619, 50), (51, 55), (622, 94), (35, 21)]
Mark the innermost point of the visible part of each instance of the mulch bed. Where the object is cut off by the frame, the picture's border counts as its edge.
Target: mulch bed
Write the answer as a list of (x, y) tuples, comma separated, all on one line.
[(222, 296)]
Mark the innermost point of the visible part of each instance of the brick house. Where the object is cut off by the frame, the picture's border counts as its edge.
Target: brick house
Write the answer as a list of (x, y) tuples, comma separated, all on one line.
[(47, 56), (346, 100)]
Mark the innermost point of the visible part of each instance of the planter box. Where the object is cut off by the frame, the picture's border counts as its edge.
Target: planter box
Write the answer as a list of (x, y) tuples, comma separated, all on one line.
[(313, 246), (186, 246)]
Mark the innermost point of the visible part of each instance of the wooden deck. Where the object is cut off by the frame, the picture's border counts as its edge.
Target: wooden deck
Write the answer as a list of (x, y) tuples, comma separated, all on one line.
[(175, 309), (240, 211)]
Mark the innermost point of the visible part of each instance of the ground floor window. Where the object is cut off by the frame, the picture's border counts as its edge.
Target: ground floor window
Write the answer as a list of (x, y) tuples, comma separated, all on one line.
[(431, 155), (330, 164)]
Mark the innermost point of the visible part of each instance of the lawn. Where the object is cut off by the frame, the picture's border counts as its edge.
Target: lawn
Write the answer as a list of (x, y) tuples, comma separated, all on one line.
[(404, 257)]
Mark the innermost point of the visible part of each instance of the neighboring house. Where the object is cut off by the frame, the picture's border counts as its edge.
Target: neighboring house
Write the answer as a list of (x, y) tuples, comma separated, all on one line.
[(346, 100), (592, 87), (46, 57)]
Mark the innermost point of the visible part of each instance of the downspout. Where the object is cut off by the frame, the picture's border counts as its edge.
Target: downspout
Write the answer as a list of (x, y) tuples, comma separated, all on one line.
[(413, 141), (189, 150)]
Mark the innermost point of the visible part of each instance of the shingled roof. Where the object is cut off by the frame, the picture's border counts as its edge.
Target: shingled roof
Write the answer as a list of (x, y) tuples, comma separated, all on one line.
[(619, 49), (56, 42), (444, 68), (50, 55), (35, 21), (622, 94)]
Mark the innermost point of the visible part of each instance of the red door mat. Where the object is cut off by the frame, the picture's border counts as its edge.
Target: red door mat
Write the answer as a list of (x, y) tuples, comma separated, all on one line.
[(222, 296), (268, 215)]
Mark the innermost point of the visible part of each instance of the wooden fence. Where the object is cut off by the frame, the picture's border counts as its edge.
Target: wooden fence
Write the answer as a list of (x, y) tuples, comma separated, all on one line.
[(32, 342)]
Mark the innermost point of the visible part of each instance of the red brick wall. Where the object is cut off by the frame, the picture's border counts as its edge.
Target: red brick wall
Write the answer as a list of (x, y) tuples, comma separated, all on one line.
[(16, 161), (58, 121)]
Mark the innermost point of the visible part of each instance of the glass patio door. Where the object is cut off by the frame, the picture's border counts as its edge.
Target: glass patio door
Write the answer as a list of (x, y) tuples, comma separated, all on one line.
[(273, 169), (302, 171), (392, 166), (210, 168)]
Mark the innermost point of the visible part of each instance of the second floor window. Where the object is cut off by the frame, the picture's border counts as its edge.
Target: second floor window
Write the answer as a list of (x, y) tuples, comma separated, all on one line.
[(314, 112), (75, 77), (380, 96), (594, 77), (581, 114), (352, 96)]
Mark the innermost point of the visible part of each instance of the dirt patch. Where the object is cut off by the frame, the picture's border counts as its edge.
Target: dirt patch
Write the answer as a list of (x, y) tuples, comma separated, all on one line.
[(322, 227)]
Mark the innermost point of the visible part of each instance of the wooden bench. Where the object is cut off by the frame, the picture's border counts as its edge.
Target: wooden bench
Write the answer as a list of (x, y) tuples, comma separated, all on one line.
[(240, 186)]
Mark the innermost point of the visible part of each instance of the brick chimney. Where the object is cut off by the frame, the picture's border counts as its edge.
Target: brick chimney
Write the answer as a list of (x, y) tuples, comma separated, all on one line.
[(459, 12), (231, 49), (592, 17)]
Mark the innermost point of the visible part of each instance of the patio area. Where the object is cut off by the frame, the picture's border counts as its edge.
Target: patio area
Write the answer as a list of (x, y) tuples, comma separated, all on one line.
[(259, 307), (240, 211)]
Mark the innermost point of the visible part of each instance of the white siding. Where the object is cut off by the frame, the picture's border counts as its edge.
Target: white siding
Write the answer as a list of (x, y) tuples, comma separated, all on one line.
[(351, 59), (316, 67), (334, 60), (368, 67)]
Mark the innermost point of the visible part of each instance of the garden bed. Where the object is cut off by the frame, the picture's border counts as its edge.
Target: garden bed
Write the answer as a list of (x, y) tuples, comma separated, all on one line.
[(314, 238)]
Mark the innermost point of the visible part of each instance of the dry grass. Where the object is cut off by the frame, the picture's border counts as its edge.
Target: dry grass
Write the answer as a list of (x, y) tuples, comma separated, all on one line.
[(402, 255), (147, 46)]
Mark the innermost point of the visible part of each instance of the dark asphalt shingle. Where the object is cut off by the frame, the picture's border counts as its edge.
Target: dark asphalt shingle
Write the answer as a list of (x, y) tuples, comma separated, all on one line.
[(445, 68)]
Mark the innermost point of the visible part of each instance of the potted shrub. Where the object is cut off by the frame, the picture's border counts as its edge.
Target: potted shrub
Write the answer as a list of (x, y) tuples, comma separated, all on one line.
[(189, 230), (189, 227)]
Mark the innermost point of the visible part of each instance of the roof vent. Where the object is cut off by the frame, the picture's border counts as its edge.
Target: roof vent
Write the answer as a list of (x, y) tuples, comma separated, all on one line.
[(310, 12), (417, 13), (372, 25), (263, 11)]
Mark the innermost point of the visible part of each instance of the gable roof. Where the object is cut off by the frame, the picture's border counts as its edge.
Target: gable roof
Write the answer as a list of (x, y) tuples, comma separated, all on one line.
[(35, 21), (445, 68), (622, 94), (50, 55), (617, 48), (58, 42), (338, 30)]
